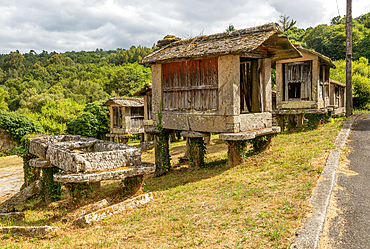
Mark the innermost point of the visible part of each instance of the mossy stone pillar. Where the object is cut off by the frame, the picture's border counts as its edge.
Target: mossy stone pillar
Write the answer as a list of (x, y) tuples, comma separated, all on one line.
[(162, 153), (262, 143), (196, 148), (236, 152), (300, 118), (51, 190)]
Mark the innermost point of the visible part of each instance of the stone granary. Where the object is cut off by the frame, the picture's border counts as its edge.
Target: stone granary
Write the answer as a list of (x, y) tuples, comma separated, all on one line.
[(87, 160), (126, 117), (302, 85), (337, 98), (146, 93), (218, 83)]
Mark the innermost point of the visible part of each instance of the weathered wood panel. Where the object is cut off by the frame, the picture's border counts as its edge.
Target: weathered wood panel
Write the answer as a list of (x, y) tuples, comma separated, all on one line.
[(298, 73), (190, 85)]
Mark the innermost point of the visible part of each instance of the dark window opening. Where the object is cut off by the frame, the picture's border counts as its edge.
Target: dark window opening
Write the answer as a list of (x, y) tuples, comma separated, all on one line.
[(137, 112), (117, 117), (294, 90), (245, 87)]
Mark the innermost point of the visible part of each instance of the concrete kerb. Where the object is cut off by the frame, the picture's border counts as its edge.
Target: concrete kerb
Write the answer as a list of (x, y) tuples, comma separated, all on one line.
[(308, 236)]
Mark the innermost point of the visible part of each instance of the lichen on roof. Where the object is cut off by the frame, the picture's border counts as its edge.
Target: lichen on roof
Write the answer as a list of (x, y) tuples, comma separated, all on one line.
[(125, 102), (233, 42)]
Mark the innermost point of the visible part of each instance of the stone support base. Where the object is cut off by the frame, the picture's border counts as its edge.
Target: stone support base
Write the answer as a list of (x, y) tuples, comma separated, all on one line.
[(195, 147), (115, 209), (32, 189), (162, 153), (235, 152)]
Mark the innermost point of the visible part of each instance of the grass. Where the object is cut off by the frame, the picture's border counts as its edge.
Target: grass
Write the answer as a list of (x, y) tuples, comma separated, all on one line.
[(258, 204), (10, 161)]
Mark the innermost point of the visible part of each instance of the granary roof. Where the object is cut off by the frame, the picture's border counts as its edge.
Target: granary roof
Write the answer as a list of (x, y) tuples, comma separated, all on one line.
[(147, 87), (337, 83), (325, 59), (125, 102), (233, 42)]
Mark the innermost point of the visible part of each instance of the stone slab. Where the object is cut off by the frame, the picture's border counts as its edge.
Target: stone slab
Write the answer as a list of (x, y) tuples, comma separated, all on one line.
[(81, 154), (193, 134), (28, 231), (89, 209), (300, 111), (248, 134), (18, 198), (67, 177), (40, 163), (115, 209)]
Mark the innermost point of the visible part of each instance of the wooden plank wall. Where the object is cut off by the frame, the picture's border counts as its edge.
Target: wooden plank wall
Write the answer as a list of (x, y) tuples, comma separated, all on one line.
[(298, 72), (190, 85)]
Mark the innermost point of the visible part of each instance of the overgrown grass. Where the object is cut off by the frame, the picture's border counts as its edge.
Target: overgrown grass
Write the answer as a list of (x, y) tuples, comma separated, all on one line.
[(11, 161), (257, 204)]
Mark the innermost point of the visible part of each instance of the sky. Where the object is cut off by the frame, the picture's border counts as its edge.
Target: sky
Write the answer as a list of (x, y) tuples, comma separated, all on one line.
[(75, 25)]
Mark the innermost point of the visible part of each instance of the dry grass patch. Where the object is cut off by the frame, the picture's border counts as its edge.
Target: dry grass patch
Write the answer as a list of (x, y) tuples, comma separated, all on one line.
[(258, 204), (10, 162)]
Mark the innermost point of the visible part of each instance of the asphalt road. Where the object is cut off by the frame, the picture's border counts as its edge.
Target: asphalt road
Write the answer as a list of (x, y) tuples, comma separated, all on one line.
[(350, 226)]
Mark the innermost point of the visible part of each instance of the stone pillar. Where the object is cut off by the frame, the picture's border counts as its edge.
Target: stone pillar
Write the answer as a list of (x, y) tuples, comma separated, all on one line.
[(196, 148), (261, 143), (51, 189), (281, 121), (300, 119), (236, 152), (207, 140), (124, 140), (185, 158), (162, 153), (196, 152)]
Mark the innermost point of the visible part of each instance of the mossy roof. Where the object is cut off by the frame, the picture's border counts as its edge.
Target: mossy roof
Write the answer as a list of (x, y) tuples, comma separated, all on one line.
[(125, 102), (247, 40)]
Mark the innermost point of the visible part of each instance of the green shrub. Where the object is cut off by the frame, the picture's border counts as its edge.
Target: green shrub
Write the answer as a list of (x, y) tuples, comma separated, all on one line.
[(18, 125), (85, 125)]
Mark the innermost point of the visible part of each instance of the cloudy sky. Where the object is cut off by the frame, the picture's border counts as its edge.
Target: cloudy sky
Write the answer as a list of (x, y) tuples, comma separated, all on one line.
[(66, 25)]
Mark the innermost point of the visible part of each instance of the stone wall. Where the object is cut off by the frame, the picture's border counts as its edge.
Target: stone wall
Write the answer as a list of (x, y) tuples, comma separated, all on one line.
[(6, 143)]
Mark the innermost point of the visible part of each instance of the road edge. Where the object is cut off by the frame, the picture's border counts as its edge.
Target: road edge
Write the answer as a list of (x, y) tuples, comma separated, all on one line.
[(308, 236)]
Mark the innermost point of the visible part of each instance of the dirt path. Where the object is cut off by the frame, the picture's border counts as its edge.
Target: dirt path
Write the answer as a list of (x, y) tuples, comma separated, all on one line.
[(11, 176)]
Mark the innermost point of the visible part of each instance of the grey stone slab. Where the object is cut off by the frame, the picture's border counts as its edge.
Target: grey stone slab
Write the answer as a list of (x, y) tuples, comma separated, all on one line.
[(29, 191), (248, 134), (81, 154), (66, 177), (193, 134), (115, 209), (40, 163)]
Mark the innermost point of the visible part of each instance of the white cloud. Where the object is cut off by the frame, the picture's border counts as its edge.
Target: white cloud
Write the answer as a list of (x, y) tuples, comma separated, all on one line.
[(65, 25)]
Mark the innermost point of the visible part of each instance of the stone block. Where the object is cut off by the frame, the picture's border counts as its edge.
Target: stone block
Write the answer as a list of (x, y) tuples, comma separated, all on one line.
[(114, 209), (118, 174), (29, 191), (79, 154), (40, 163)]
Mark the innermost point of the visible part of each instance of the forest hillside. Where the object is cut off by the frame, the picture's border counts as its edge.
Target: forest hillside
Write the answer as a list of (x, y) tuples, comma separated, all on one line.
[(53, 89)]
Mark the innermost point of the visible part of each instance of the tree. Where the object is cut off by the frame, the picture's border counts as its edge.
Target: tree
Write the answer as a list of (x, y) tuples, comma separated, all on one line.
[(286, 23), (3, 96), (230, 28)]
